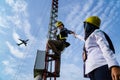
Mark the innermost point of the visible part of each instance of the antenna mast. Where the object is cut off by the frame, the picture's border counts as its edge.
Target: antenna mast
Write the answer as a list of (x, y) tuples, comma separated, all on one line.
[(44, 63)]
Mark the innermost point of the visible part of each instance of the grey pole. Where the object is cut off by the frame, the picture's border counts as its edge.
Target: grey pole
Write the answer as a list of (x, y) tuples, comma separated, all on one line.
[(38, 77)]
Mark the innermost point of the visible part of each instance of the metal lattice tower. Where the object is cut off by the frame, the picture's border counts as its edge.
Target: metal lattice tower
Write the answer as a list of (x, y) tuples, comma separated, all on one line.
[(53, 20), (49, 62), (44, 64)]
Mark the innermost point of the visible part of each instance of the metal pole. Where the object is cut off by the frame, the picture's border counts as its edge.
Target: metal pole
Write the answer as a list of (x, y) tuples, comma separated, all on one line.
[(38, 77)]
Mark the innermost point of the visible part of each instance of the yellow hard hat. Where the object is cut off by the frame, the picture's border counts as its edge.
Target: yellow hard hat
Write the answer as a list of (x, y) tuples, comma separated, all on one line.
[(94, 20), (58, 23)]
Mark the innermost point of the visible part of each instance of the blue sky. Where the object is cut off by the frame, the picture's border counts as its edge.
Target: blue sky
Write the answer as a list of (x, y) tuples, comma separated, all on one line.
[(29, 19)]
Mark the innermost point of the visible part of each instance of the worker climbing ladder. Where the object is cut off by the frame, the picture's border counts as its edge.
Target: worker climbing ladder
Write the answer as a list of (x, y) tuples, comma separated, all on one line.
[(45, 65)]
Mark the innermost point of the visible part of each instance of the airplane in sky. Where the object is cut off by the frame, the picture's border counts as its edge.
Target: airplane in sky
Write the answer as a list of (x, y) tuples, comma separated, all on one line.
[(23, 42)]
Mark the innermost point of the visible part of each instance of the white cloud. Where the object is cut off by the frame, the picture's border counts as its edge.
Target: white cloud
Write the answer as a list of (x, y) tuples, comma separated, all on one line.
[(27, 28), (20, 6), (72, 14), (107, 16), (9, 70), (70, 72), (14, 51), (16, 36), (3, 32), (15, 20), (10, 2), (97, 8), (19, 10), (10, 65), (5, 62), (87, 6), (3, 22), (74, 18), (20, 18), (23, 76), (17, 6), (13, 69)]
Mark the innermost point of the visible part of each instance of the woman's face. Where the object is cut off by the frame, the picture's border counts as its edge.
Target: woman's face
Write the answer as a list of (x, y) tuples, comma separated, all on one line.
[(87, 27)]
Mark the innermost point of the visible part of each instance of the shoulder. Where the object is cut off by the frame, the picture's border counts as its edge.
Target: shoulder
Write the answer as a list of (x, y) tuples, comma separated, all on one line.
[(64, 29), (98, 32)]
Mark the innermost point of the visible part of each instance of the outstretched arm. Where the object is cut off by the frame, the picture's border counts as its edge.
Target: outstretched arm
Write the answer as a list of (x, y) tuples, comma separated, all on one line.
[(79, 37)]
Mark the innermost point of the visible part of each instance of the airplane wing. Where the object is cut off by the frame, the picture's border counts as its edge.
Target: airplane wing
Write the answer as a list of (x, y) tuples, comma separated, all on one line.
[(27, 40), (25, 44), (20, 39), (19, 44)]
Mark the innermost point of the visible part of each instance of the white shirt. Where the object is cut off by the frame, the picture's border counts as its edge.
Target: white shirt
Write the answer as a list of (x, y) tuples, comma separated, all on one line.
[(98, 52)]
